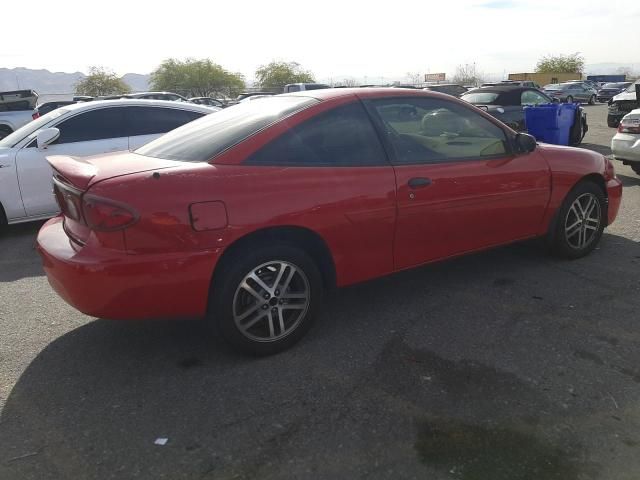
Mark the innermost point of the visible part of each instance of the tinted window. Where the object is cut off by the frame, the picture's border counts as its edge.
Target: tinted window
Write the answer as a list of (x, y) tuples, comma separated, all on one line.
[(531, 97), (152, 120), (31, 128), (293, 88), (203, 139), (480, 98), (343, 136), (93, 125), (425, 130)]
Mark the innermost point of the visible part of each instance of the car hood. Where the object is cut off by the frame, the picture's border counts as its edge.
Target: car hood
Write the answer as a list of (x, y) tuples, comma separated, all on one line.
[(86, 171), (625, 96)]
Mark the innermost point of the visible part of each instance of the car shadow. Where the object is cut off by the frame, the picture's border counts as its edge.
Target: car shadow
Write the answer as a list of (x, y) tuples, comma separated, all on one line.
[(603, 149), (18, 256), (628, 181), (95, 399)]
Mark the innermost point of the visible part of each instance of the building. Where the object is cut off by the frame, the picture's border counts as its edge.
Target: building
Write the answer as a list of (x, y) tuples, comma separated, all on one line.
[(545, 78)]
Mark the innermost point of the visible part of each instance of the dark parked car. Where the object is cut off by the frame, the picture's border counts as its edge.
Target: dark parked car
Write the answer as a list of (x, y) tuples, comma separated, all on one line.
[(571, 92), (47, 107), (208, 101), (622, 104), (507, 104), (610, 90), (448, 88)]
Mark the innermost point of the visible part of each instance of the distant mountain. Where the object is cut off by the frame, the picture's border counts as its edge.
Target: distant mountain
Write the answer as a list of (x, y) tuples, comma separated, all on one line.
[(61, 84), (612, 68), (137, 81)]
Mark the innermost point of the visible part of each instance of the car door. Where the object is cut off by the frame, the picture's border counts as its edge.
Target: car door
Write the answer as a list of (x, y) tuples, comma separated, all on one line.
[(92, 132), (148, 123), (460, 186), (331, 174)]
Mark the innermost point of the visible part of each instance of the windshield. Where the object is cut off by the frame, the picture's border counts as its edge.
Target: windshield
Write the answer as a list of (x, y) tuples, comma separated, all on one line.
[(480, 98), (632, 87), (203, 139), (31, 127)]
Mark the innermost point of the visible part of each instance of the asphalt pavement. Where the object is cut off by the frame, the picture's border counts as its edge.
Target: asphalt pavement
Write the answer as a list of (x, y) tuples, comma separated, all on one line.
[(504, 365)]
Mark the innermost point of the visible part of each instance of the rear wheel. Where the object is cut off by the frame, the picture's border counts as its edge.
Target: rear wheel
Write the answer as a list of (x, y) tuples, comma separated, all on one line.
[(5, 131), (569, 99), (592, 100), (264, 301), (580, 221)]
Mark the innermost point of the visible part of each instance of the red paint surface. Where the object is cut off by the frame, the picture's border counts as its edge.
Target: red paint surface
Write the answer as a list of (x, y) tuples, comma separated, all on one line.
[(161, 267)]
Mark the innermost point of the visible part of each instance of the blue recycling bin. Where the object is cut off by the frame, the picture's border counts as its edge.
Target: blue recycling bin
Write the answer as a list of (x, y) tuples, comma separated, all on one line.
[(551, 122)]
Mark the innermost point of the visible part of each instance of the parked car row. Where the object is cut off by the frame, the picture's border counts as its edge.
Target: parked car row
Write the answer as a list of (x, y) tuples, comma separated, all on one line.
[(247, 216), (78, 129)]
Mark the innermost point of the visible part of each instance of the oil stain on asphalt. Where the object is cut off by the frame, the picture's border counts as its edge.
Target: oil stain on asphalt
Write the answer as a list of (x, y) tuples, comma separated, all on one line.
[(473, 452)]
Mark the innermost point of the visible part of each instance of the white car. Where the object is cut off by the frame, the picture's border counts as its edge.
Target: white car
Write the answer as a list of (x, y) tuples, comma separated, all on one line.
[(625, 145), (80, 129)]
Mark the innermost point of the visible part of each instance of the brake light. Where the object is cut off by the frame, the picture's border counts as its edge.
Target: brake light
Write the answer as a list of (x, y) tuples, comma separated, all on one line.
[(629, 126), (106, 215), (609, 170), (68, 200)]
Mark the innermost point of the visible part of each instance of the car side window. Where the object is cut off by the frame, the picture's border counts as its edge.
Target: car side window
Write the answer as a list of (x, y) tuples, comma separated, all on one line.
[(154, 120), (531, 97), (343, 136), (96, 124), (427, 130)]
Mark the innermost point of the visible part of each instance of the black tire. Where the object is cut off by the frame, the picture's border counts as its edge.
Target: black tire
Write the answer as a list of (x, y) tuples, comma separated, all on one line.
[(565, 245), (228, 296), (636, 168), (569, 99), (592, 100), (613, 121), (5, 131), (3, 219)]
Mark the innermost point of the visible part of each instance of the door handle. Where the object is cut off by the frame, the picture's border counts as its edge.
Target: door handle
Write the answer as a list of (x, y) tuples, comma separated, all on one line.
[(419, 182)]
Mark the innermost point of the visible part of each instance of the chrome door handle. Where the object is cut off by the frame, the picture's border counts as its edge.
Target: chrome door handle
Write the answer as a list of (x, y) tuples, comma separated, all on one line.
[(3, 166)]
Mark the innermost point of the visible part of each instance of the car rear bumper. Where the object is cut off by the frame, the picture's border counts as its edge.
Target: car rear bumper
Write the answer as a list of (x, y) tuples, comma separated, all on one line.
[(626, 147), (614, 197), (113, 284)]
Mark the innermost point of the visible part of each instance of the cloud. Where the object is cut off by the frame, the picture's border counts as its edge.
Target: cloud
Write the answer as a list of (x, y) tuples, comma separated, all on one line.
[(498, 4)]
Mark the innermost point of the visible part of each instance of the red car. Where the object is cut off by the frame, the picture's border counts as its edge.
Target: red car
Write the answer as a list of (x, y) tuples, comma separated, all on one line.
[(245, 217)]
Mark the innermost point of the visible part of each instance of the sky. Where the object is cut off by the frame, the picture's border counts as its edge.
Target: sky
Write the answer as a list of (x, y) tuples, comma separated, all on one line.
[(334, 39)]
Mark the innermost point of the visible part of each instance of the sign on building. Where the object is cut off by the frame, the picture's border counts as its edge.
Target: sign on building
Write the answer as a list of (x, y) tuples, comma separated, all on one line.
[(434, 77)]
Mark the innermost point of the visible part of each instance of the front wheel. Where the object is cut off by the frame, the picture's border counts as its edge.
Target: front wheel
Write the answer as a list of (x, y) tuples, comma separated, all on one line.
[(569, 99), (264, 301), (581, 221), (592, 100)]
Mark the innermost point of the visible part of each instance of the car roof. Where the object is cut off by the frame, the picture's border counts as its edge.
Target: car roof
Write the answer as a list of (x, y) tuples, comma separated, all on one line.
[(504, 88), (330, 93), (138, 102)]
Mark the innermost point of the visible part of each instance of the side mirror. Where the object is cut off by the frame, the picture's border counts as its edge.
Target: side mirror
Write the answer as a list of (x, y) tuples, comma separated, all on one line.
[(525, 143), (46, 137), (555, 100)]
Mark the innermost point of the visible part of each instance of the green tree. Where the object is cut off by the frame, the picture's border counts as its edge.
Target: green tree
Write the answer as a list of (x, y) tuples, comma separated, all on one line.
[(101, 81), (198, 78), (276, 75), (572, 63)]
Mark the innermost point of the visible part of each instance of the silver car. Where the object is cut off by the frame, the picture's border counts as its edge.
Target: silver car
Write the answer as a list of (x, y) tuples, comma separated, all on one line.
[(572, 92)]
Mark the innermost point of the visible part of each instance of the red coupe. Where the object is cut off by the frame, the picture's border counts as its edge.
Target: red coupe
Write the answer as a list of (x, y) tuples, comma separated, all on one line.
[(245, 217)]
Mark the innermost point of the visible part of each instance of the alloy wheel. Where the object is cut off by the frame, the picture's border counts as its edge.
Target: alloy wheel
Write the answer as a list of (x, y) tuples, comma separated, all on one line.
[(271, 301), (583, 221)]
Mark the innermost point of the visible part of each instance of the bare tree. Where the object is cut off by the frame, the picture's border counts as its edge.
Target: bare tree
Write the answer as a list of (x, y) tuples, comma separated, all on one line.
[(347, 82), (414, 77), (468, 74)]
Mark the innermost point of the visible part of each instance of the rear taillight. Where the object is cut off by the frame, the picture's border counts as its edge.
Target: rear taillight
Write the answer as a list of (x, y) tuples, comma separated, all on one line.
[(629, 126), (106, 215), (35, 115), (68, 200), (609, 170)]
